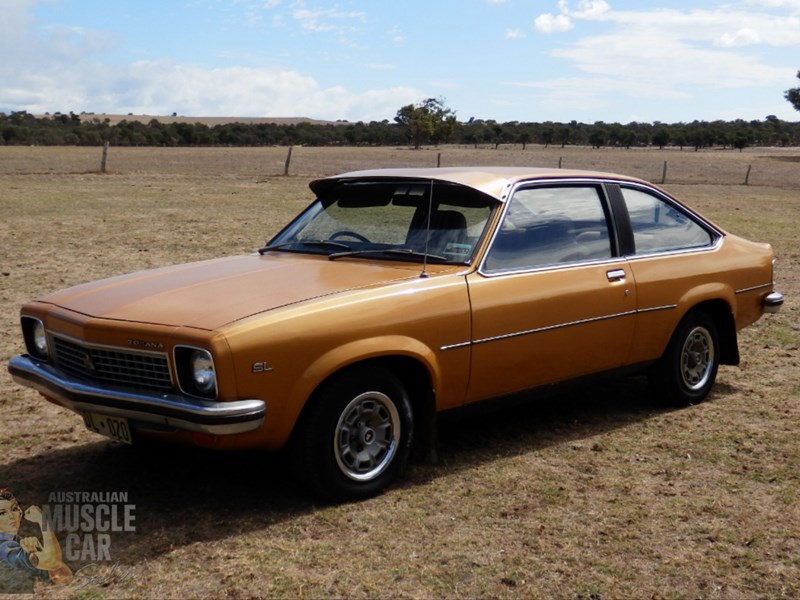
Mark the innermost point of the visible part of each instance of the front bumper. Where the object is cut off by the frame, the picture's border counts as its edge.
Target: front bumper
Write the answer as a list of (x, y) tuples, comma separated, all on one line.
[(170, 411), (773, 302)]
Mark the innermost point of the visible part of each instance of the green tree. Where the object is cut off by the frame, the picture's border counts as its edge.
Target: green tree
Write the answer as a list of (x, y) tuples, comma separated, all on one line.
[(793, 95), (548, 135), (428, 120), (661, 138)]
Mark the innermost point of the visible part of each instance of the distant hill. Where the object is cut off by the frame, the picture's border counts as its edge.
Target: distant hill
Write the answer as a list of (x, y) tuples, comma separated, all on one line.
[(210, 121)]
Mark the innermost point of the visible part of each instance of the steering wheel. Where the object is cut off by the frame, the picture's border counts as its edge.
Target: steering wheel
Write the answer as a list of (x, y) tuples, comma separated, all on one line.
[(346, 233)]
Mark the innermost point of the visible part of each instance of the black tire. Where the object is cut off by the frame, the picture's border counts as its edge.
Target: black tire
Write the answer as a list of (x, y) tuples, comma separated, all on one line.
[(687, 371), (355, 437)]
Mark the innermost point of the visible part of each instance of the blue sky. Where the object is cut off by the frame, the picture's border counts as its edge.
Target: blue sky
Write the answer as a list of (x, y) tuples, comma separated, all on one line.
[(508, 60)]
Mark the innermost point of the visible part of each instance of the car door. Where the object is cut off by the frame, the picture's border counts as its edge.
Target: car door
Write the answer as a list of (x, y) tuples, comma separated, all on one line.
[(552, 299)]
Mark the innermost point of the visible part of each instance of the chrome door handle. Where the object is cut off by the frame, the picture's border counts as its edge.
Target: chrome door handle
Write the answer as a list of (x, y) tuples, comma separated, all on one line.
[(616, 274)]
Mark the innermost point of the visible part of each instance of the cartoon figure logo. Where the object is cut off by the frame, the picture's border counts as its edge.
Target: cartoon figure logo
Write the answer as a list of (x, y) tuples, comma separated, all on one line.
[(24, 560)]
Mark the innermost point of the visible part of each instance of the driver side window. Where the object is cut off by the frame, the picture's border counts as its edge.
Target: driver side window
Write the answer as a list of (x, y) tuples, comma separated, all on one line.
[(546, 226)]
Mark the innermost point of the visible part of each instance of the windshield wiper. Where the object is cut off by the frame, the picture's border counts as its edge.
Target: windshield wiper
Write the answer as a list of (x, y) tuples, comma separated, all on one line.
[(404, 252), (313, 243)]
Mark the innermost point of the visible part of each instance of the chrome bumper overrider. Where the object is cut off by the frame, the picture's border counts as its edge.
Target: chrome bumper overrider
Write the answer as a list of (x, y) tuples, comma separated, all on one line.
[(773, 302), (164, 410)]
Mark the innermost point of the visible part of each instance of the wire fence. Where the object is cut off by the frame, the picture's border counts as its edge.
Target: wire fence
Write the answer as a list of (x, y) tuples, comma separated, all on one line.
[(754, 166)]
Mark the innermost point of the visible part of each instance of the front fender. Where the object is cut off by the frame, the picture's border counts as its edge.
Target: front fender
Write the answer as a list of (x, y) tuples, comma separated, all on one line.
[(359, 350), (346, 355)]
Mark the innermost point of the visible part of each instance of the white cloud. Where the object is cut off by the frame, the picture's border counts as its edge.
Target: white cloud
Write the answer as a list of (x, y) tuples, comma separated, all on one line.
[(162, 87), (549, 23), (397, 37), (743, 37), (716, 55), (598, 94), (588, 9), (652, 57), (689, 56), (779, 4), (63, 70), (329, 19)]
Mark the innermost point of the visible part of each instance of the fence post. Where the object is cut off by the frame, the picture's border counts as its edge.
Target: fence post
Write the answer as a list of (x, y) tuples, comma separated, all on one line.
[(560, 158), (747, 175), (439, 160), (104, 158), (664, 173), (288, 161)]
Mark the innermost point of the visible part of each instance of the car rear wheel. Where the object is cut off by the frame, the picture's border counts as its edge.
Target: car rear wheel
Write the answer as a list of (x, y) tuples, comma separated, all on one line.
[(688, 369), (355, 437)]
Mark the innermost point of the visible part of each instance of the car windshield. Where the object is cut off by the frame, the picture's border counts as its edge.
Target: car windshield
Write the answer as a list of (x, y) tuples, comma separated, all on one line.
[(411, 221)]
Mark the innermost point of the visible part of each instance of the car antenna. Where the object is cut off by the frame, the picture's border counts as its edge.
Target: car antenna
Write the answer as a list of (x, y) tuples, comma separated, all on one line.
[(424, 273)]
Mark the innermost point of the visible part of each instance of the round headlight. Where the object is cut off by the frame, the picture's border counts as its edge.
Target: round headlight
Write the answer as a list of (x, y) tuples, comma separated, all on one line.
[(203, 374), (39, 339)]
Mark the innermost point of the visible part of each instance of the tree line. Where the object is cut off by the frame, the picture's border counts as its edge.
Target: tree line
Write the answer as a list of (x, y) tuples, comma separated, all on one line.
[(411, 127)]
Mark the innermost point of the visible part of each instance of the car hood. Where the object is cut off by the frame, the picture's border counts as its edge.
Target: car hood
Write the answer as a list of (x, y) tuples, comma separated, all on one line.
[(211, 294)]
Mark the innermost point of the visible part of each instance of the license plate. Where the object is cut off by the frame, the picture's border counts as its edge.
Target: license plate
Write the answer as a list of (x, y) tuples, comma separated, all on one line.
[(113, 427)]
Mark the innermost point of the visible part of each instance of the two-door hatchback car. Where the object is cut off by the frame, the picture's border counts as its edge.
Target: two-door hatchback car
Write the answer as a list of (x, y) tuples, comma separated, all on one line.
[(395, 295)]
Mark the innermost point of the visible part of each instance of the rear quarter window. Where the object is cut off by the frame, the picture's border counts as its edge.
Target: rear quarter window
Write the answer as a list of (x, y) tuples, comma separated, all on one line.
[(659, 226)]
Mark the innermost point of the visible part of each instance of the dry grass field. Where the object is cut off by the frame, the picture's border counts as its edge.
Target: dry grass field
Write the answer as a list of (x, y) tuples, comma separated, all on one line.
[(599, 493)]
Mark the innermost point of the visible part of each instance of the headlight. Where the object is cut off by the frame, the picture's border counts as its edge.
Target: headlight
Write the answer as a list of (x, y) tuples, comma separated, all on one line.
[(196, 374), (39, 338), (203, 375), (35, 338)]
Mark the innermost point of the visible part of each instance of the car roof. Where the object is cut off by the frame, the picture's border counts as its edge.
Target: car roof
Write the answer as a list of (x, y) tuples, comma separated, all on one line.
[(492, 181)]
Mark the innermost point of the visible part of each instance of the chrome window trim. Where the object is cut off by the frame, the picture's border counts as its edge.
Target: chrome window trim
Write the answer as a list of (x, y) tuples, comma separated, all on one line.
[(673, 202), (677, 252), (601, 261), (555, 267), (530, 183), (717, 234)]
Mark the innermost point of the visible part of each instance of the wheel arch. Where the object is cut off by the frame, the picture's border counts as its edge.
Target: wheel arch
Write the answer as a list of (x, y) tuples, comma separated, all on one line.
[(417, 379), (720, 311)]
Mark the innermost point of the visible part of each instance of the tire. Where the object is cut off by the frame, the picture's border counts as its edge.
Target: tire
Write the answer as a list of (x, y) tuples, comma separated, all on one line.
[(687, 371), (355, 437)]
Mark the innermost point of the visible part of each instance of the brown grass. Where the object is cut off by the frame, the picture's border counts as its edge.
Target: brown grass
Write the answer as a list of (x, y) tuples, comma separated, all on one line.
[(595, 493)]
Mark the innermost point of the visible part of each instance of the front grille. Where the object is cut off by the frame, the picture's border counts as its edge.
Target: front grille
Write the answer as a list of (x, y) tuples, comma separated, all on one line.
[(102, 365)]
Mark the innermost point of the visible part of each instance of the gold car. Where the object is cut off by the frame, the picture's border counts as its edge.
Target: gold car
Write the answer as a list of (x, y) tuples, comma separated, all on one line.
[(395, 295)]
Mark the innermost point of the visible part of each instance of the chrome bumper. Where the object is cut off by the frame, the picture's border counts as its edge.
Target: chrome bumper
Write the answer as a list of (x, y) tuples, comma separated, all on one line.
[(161, 410), (773, 302)]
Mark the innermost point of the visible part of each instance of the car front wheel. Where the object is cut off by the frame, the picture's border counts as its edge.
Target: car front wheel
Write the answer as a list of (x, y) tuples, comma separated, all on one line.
[(687, 370), (355, 437)]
